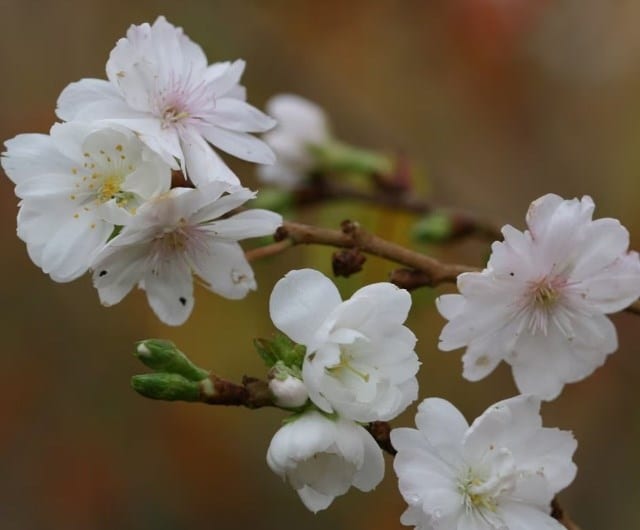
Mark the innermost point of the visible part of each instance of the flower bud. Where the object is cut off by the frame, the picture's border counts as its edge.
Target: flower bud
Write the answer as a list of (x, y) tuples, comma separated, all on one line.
[(289, 392), (163, 356), (167, 387)]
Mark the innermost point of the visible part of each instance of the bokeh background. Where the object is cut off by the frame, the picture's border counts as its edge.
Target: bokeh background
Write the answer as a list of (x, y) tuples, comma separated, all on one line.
[(497, 101)]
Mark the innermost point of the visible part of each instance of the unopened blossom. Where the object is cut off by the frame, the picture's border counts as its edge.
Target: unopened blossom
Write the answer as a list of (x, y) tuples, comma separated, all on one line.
[(176, 236), (322, 458), (301, 126), (360, 360), (540, 304), (160, 86), (76, 185), (500, 473), (289, 392)]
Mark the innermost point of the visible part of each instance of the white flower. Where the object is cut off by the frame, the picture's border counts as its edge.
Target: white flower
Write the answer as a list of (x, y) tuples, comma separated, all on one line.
[(322, 458), (289, 392), (301, 125), (76, 184), (499, 474), (359, 360), (177, 235), (540, 303), (161, 87)]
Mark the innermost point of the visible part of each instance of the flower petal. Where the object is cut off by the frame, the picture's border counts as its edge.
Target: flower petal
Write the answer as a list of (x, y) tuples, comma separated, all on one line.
[(239, 144), (300, 303), (225, 269), (202, 163), (169, 288)]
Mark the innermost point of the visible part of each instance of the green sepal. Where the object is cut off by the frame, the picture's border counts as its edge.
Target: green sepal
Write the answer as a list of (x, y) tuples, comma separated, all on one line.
[(167, 387), (280, 348), (163, 356), (116, 230)]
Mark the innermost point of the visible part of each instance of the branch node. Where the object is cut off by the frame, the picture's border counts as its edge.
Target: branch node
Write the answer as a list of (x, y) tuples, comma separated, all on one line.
[(347, 262)]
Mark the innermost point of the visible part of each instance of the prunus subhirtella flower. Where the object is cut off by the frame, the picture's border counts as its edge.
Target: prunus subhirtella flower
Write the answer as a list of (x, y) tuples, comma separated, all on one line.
[(540, 304), (302, 125), (76, 184), (360, 360), (500, 473), (323, 457), (177, 235), (161, 87)]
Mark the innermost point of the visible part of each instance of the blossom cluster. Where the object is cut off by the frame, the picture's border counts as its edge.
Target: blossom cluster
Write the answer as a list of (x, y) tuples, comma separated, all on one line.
[(359, 366), (96, 191), (99, 194)]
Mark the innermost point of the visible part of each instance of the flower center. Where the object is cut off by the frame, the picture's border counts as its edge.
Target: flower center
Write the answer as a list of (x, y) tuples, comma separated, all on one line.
[(345, 365), (475, 497), (171, 115), (110, 188), (541, 300), (545, 295), (183, 238)]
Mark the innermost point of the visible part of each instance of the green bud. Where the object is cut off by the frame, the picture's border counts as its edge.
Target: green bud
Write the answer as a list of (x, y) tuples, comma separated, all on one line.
[(337, 156), (434, 228), (168, 387), (163, 356)]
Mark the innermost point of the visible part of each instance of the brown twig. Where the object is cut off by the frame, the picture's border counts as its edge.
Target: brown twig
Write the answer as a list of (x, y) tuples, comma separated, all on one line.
[(252, 393), (354, 236), (381, 431)]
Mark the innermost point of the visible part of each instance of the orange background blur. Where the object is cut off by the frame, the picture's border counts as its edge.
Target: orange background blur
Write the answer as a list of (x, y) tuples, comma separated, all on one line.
[(500, 101)]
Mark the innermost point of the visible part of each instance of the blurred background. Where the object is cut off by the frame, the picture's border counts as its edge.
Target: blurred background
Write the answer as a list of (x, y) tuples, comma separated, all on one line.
[(499, 102)]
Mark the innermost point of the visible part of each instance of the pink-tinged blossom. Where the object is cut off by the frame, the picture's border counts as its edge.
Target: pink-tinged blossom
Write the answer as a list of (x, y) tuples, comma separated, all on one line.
[(360, 360), (76, 185), (176, 236), (161, 87), (323, 457), (540, 304), (501, 473), (301, 126)]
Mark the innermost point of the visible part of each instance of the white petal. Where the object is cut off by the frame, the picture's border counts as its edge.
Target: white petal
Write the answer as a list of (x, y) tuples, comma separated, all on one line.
[(202, 163), (440, 422), (300, 303), (220, 204), (299, 116), (376, 310), (505, 424), (239, 144), (68, 253), (92, 99), (605, 240), (31, 155), (372, 470), (149, 179), (614, 287), (314, 500), (236, 115), (116, 270), (518, 516), (224, 77), (450, 305), (250, 223), (169, 289), (225, 270)]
